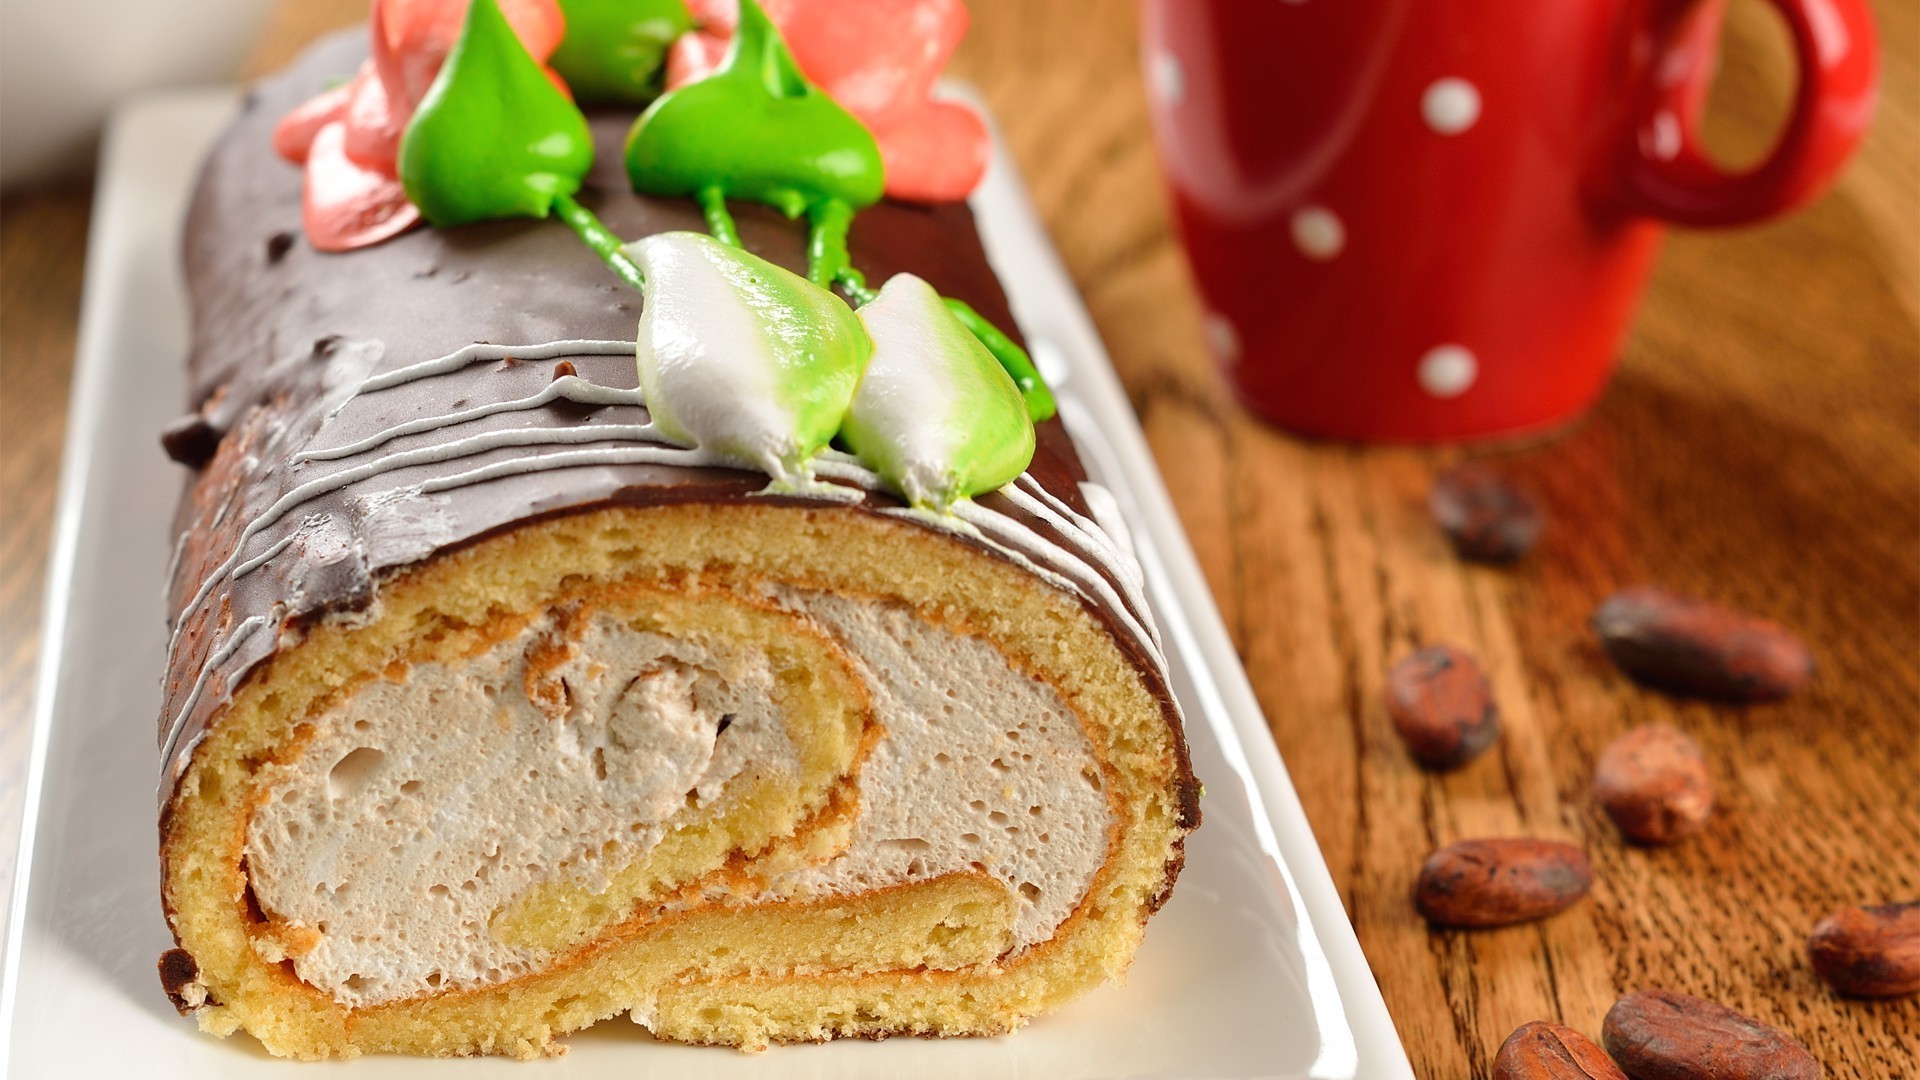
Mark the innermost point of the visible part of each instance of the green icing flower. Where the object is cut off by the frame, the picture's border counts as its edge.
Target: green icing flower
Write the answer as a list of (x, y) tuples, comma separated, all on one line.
[(743, 358), (755, 129), (615, 50), (936, 415), (493, 138)]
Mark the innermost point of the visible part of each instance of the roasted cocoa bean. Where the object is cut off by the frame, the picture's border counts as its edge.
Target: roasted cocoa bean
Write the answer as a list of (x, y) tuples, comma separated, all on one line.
[(1541, 1050), (1661, 1035), (1476, 883), (1484, 514), (1653, 783), (1869, 951), (1441, 705), (1695, 647)]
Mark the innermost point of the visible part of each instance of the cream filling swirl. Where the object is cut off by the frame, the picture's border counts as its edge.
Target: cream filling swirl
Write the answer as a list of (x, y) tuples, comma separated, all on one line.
[(426, 804)]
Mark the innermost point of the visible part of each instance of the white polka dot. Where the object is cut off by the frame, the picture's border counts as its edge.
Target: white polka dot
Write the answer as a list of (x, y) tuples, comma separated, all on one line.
[(1169, 78), (1661, 141), (1318, 233), (1448, 370), (1223, 339), (1450, 106)]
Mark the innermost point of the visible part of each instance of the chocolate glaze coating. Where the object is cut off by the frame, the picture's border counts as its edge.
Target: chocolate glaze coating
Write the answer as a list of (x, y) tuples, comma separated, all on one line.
[(284, 336)]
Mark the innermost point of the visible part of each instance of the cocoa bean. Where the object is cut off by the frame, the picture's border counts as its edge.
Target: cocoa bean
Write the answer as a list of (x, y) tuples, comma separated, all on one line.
[(1498, 882), (1691, 646), (1661, 1035), (1540, 1050), (1484, 514), (1869, 951), (1441, 705), (1653, 783)]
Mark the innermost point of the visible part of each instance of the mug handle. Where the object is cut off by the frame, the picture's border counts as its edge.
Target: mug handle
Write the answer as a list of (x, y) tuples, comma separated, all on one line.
[(1666, 172)]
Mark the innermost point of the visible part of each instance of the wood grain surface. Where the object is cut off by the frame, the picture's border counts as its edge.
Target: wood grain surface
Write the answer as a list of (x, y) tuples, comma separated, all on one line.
[(1761, 446), (43, 239)]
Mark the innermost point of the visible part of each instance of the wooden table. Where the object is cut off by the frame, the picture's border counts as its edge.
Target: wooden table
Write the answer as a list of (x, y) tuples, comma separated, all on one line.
[(1761, 446)]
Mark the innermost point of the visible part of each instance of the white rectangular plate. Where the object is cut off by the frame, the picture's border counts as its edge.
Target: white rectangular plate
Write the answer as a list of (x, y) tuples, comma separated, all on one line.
[(1251, 970)]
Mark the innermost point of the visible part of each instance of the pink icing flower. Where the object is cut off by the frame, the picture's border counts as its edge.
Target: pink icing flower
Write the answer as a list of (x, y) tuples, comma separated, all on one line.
[(345, 204), (348, 137), (879, 59)]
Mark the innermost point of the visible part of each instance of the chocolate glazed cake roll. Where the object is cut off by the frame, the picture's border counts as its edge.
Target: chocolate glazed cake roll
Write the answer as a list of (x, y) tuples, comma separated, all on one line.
[(491, 713)]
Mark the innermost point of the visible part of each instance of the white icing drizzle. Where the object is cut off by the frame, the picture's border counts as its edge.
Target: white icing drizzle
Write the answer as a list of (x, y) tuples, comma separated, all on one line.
[(482, 351), (1038, 501), (1078, 572), (565, 459), (233, 569), (1021, 544), (179, 553), (220, 656), (1100, 544), (264, 557), (1085, 576), (566, 388), (247, 465)]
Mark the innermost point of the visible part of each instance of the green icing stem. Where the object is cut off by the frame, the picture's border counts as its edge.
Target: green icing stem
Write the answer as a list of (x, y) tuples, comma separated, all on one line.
[(713, 203), (854, 284), (1033, 389), (827, 259), (601, 239)]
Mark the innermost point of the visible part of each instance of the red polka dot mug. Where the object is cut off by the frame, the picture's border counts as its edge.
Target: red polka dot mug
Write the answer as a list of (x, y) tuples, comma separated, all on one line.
[(1423, 220)]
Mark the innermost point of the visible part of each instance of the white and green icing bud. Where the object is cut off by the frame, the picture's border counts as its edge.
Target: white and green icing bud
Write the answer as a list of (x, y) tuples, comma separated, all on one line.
[(936, 415), (747, 361)]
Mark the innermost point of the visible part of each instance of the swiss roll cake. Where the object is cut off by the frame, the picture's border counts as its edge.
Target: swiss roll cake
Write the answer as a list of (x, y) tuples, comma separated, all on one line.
[(667, 629)]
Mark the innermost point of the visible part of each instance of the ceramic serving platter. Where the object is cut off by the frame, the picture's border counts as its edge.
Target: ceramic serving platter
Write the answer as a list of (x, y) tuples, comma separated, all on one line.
[(1251, 970)]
